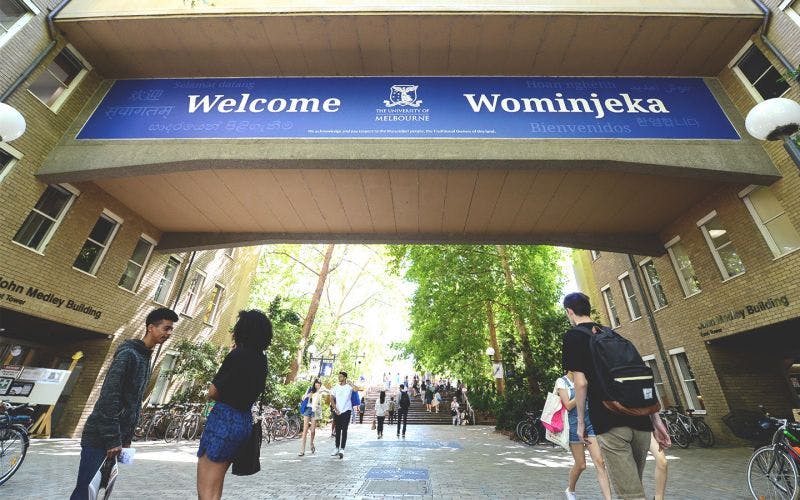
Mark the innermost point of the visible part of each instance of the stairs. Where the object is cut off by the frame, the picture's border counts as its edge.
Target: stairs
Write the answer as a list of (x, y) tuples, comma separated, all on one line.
[(417, 415)]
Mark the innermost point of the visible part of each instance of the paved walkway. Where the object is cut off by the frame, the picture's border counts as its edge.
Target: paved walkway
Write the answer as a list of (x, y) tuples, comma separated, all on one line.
[(434, 461)]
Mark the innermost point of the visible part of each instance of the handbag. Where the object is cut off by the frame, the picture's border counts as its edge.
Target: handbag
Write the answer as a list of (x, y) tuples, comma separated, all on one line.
[(355, 400), (374, 425), (552, 413), (248, 459), (559, 438)]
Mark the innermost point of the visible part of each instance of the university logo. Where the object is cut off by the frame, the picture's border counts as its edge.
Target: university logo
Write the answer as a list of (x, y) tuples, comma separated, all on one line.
[(403, 95)]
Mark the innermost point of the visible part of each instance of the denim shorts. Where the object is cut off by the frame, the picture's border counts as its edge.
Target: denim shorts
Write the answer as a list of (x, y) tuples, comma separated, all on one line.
[(226, 431), (573, 427), (309, 412)]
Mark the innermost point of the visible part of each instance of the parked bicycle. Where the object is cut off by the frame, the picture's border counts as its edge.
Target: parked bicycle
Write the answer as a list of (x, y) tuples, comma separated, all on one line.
[(14, 440), (530, 430), (683, 428), (186, 422), (772, 472)]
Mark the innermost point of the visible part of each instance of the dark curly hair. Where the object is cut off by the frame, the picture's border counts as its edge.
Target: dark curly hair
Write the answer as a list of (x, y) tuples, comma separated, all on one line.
[(253, 330)]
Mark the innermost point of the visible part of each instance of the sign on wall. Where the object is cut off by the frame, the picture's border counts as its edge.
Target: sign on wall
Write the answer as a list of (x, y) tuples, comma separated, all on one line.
[(409, 108)]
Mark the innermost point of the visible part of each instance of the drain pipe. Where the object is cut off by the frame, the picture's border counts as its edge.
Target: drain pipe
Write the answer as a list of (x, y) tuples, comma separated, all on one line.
[(656, 333), (51, 28), (763, 35)]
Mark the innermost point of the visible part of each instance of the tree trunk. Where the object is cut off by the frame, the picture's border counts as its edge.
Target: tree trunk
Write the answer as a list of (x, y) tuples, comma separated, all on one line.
[(312, 313), (527, 354), (493, 342)]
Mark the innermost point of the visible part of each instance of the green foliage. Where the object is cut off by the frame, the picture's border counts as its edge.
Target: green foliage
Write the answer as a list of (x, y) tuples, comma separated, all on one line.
[(196, 365), (449, 318)]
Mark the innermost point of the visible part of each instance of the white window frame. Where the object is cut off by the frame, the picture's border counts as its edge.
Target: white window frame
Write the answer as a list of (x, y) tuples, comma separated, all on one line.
[(668, 246), (33, 11), (217, 303), (788, 8), (172, 284), (96, 266), (744, 194), (686, 394), (138, 281), (714, 250), (59, 102), (232, 254), (659, 396), (734, 66), (594, 254), (56, 222), (628, 301), (642, 263), (161, 391), (16, 156), (188, 306), (603, 290)]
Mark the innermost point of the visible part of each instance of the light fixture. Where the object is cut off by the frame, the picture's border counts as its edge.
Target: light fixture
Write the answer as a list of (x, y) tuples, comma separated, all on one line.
[(776, 119), (490, 351), (16, 350), (12, 123), (716, 233)]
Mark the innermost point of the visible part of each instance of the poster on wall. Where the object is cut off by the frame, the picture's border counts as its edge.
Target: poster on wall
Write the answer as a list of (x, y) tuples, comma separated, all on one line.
[(11, 371), (33, 374), (21, 388), (5, 383)]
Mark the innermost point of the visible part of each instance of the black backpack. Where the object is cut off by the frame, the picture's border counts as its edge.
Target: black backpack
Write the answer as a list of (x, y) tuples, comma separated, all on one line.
[(405, 401), (626, 381)]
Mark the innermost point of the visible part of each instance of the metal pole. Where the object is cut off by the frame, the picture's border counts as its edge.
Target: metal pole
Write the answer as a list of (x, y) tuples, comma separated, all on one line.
[(654, 328)]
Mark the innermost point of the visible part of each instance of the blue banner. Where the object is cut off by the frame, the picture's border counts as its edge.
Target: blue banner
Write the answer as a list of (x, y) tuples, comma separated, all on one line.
[(410, 108)]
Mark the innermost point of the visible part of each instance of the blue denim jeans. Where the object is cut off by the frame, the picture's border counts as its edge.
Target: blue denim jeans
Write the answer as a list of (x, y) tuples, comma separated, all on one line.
[(91, 459)]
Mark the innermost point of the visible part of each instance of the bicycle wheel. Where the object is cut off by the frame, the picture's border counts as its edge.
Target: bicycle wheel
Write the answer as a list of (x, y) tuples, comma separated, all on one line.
[(518, 430), (280, 429), (294, 427), (772, 474), (704, 435), (192, 426), (173, 432), (678, 434), (13, 447), (141, 427)]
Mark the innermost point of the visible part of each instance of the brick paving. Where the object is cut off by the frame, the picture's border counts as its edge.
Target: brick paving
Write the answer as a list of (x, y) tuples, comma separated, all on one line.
[(444, 461)]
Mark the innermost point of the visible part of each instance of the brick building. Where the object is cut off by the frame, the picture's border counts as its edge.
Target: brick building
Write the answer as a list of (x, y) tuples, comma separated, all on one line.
[(723, 298), (80, 270)]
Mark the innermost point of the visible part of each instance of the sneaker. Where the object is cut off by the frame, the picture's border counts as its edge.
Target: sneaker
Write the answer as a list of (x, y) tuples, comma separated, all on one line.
[(335, 452), (570, 495)]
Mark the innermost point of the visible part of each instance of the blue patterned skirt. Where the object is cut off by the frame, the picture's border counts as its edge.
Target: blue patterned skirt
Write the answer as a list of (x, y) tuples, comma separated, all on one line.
[(226, 431)]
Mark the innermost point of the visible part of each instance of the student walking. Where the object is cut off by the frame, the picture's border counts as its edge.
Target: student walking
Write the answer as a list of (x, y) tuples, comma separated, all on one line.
[(237, 385), (381, 407), (661, 467), (624, 439), (311, 410), (111, 423), (454, 411), (362, 409), (392, 409), (428, 397), (402, 412), (566, 391), (437, 399), (342, 398)]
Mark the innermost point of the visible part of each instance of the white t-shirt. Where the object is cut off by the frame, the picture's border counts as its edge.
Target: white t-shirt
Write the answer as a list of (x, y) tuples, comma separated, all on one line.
[(343, 393), (381, 409)]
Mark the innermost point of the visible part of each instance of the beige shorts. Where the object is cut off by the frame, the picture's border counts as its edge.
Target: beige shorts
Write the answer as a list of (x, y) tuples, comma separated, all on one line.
[(625, 452)]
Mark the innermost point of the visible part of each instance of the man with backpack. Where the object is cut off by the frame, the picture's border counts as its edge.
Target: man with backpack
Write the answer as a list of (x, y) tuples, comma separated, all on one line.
[(402, 410), (623, 407)]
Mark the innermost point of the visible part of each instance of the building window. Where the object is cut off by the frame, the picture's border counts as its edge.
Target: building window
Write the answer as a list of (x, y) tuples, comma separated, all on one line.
[(7, 160), (654, 283), (772, 220), (45, 217), (61, 75), (760, 75), (212, 311), (792, 9), (13, 16), (230, 252), (611, 308), (721, 246), (683, 267), (167, 280), (162, 382), (136, 264), (195, 286), (630, 296), (595, 254), (96, 245), (650, 361), (694, 400)]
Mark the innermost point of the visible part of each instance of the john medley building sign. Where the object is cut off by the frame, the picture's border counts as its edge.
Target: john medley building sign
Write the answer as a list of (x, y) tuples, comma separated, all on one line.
[(711, 326), (409, 107), (18, 294)]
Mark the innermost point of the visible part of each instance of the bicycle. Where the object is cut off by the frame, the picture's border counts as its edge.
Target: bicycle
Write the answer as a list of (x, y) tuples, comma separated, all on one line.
[(530, 430), (772, 472), (14, 440), (683, 428), (185, 423)]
